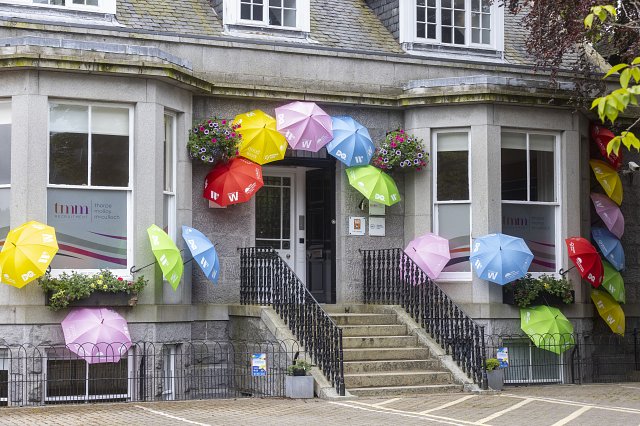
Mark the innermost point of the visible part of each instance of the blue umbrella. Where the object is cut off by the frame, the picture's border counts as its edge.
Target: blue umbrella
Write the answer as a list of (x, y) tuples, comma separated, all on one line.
[(351, 142), (610, 247), (203, 252), (500, 258)]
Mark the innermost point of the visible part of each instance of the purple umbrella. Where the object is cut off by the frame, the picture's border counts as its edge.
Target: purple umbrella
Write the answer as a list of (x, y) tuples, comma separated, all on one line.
[(430, 252), (305, 125), (610, 213), (96, 334)]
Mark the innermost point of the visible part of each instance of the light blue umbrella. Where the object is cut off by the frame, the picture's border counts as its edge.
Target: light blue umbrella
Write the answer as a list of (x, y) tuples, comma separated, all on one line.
[(610, 247), (351, 142), (203, 252), (500, 258)]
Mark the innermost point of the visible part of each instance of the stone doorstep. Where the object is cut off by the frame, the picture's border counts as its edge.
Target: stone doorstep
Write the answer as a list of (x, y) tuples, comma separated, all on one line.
[(380, 354), (397, 378), (364, 319), (405, 390), (373, 330), (355, 367), (368, 342)]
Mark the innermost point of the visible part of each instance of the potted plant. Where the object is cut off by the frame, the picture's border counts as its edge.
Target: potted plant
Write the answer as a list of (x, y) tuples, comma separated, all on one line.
[(214, 140), (100, 289), (298, 384), (400, 150), (543, 290), (495, 374)]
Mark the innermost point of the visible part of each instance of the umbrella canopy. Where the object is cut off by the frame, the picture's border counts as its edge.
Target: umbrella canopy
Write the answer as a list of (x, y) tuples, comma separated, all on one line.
[(610, 247), (233, 182), (203, 252), (430, 252), (96, 334), (610, 213), (27, 253), (305, 125), (602, 136), (500, 258), (167, 255), (351, 142), (586, 258), (374, 184), (613, 282), (609, 310), (547, 328), (609, 179), (261, 141)]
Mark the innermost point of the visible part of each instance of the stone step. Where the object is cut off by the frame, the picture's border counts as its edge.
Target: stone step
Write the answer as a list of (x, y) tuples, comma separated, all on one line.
[(397, 378), (379, 342), (354, 367), (355, 309), (373, 330), (405, 390), (377, 354), (364, 319)]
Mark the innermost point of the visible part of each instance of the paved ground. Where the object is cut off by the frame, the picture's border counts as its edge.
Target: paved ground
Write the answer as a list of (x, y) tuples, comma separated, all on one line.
[(601, 405)]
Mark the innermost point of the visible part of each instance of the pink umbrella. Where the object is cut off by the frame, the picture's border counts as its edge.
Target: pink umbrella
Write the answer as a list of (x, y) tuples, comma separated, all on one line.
[(96, 334), (430, 252), (305, 125), (610, 213)]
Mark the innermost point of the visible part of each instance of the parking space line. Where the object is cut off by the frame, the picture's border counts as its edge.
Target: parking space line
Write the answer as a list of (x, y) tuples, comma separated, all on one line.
[(506, 410), (160, 413), (448, 404), (572, 416), (388, 401), (574, 403), (413, 413), (372, 408)]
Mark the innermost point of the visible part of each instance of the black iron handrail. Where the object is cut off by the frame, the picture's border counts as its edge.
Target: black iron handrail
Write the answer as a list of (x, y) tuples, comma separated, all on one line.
[(266, 279), (392, 277)]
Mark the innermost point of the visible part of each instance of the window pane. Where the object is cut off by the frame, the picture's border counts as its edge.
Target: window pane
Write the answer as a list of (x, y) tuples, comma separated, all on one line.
[(446, 35), (289, 18), (66, 377), (5, 193), (110, 121), (290, 4), (275, 17), (446, 17), (274, 3), (110, 161), (268, 204), (420, 14), (475, 36), (257, 13), (420, 30), (5, 153), (459, 4), (453, 167), (486, 21), (68, 118), (108, 378), (458, 36), (542, 167), (486, 37), (431, 31), (68, 159), (537, 226), (91, 227), (245, 11), (454, 224), (431, 15), (286, 213), (458, 19), (169, 144)]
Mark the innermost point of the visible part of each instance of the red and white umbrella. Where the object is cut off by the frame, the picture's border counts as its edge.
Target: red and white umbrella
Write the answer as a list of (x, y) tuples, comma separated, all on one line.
[(233, 182), (305, 125)]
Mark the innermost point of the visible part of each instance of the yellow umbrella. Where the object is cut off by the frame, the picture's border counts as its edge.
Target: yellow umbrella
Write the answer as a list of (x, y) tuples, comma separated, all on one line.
[(609, 310), (27, 253), (261, 142), (609, 179)]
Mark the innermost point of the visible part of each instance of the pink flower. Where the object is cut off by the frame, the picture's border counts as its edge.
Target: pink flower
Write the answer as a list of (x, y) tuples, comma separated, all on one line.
[(224, 121), (120, 279), (214, 140), (237, 152), (401, 131), (393, 144), (233, 135), (201, 129)]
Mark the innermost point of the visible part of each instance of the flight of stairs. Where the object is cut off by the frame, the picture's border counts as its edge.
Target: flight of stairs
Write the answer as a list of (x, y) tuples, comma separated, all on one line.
[(382, 359)]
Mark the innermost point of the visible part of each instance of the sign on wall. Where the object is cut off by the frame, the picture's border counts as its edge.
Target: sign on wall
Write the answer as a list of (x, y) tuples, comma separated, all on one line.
[(259, 365), (376, 227), (357, 225)]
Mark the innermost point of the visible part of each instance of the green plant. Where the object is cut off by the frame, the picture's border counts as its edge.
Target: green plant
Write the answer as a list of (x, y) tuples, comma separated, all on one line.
[(400, 149), (299, 368), (66, 288), (214, 140), (526, 289), (492, 364)]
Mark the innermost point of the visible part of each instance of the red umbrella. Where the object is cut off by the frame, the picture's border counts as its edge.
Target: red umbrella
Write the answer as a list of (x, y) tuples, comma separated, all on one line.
[(233, 182), (585, 256), (602, 136)]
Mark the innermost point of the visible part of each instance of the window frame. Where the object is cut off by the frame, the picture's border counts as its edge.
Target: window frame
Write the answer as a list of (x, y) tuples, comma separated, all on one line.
[(125, 273), (557, 204), (171, 218), (104, 6), (7, 186), (231, 16), (451, 276)]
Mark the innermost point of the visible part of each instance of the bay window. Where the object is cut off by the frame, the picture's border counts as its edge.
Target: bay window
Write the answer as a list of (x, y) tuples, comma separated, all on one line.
[(530, 194), (5, 168), (280, 14)]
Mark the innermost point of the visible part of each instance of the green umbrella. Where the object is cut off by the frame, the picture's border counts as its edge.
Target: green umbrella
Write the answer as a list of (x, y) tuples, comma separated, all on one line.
[(167, 255), (374, 184), (613, 282), (547, 327)]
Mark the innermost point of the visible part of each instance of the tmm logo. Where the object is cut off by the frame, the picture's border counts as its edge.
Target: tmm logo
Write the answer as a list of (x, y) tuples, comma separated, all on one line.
[(59, 208)]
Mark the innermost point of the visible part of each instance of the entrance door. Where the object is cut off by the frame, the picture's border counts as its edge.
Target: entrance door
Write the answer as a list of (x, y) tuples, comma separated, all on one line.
[(320, 246), (274, 215)]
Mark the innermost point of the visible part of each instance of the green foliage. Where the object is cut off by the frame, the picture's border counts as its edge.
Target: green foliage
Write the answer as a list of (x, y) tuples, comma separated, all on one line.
[(400, 149), (299, 368), (492, 364), (526, 289), (75, 286), (602, 12), (214, 140)]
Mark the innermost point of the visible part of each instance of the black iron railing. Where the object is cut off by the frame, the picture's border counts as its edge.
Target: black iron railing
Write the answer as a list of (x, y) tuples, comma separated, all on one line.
[(391, 277), (266, 279)]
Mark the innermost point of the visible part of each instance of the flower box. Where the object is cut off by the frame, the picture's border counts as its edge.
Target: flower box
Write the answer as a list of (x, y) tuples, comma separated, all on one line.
[(102, 298), (508, 297)]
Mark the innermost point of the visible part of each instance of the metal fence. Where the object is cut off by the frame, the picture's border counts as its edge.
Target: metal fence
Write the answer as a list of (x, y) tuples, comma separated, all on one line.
[(144, 372), (583, 358)]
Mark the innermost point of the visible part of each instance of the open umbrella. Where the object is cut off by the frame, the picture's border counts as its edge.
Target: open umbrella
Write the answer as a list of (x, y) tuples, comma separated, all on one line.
[(261, 141), (613, 282), (547, 328), (305, 125), (500, 258), (374, 184), (167, 255), (610, 213), (610, 247), (609, 310), (586, 258), (96, 334), (203, 252), (602, 137), (351, 142), (609, 179), (233, 182), (430, 252), (27, 253)]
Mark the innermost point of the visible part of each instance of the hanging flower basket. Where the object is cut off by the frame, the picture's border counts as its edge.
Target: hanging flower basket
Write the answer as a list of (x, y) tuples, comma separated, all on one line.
[(400, 151), (214, 140)]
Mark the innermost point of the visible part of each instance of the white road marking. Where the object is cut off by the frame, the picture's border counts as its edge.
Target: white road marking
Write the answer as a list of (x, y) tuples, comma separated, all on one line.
[(412, 413), (575, 404), (160, 413), (375, 409), (448, 404), (631, 387), (388, 401), (506, 410), (572, 416)]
